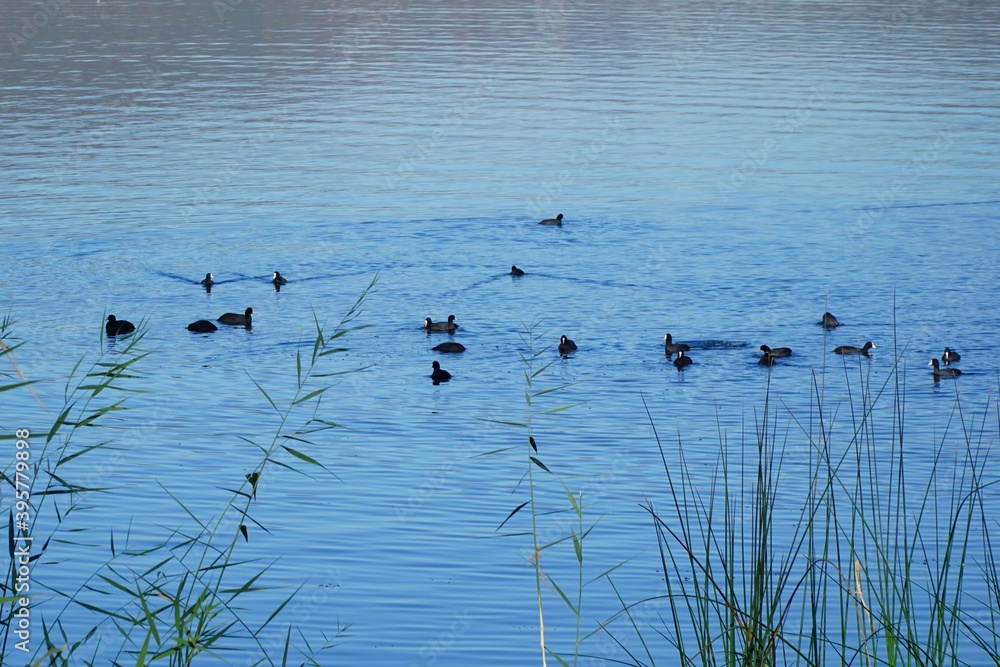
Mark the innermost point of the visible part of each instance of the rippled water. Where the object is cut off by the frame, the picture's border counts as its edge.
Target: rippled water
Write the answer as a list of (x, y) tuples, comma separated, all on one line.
[(727, 172)]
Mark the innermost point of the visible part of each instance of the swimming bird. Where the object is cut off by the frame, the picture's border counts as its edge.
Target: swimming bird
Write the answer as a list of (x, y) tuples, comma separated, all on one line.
[(439, 375), (202, 326), (116, 327), (943, 372), (671, 348), (776, 352), (449, 347), (236, 318), (278, 280), (207, 282), (767, 359), (514, 271), (566, 346), (829, 321), (681, 361), (448, 326), (553, 221), (950, 355), (851, 349)]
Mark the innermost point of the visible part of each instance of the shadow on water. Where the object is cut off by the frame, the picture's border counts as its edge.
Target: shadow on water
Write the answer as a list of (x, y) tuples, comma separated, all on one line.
[(934, 205), (532, 274), (327, 276), (712, 344), (242, 277), (194, 281)]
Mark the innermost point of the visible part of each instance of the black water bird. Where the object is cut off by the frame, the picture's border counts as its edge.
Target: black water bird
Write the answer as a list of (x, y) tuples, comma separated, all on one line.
[(950, 355), (278, 280), (439, 375), (943, 372), (448, 326), (553, 221), (514, 271), (449, 347), (236, 319), (777, 351), (682, 362), (670, 347), (202, 326), (851, 349), (829, 321), (566, 346), (116, 327), (208, 282)]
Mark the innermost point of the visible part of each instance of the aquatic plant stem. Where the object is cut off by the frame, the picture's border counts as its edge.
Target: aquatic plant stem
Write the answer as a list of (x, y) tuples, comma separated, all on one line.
[(536, 553)]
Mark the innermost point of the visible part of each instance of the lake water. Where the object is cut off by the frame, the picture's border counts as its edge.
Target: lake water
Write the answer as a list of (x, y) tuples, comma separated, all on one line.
[(727, 172)]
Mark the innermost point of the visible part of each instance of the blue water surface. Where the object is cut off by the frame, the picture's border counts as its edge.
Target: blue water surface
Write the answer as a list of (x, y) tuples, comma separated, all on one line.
[(728, 171)]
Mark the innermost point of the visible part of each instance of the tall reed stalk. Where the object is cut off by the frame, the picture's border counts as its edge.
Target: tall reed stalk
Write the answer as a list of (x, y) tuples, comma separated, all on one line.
[(558, 531)]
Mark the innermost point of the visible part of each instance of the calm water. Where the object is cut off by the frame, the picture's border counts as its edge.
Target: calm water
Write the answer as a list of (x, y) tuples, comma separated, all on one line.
[(727, 170)]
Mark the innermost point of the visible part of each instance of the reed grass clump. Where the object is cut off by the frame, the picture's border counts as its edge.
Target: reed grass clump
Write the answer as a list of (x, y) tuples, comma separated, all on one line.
[(184, 599), (886, 560)]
